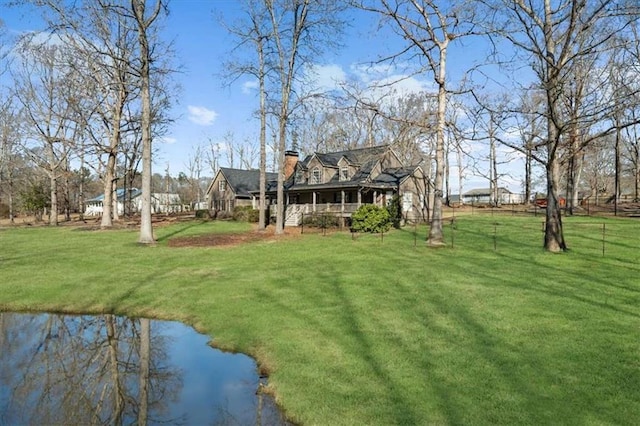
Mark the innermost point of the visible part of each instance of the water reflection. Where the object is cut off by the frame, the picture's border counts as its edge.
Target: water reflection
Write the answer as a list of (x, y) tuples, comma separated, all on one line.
[(60, 369)]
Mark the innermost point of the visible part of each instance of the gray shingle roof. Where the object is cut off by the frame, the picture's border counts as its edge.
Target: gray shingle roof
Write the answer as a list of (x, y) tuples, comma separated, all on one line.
[(358, 156), (394, 175), (244, 181)]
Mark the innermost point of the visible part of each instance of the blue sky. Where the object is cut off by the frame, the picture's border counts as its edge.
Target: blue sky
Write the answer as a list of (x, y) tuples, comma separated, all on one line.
[(205, 109)]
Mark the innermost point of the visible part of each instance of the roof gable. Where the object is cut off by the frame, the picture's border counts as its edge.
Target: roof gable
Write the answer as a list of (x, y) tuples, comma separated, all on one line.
[(242, 182)]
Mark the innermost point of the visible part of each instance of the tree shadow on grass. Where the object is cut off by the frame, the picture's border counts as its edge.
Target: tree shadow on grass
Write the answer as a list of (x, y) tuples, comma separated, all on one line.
[(354, 340), (177, 230)]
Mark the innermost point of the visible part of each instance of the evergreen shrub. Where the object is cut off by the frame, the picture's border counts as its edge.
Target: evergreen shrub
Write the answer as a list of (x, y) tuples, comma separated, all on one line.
[(246, 214), (370, 218), (321, 220)]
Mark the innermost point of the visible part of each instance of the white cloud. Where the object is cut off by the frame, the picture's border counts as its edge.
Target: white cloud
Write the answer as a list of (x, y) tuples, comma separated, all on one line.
[(167, 140), (326, 77), (249, 86), (201, 115), (371, 73)]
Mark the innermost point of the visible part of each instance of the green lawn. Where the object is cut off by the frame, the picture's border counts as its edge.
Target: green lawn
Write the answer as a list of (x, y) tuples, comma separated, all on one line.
[(367, 331)]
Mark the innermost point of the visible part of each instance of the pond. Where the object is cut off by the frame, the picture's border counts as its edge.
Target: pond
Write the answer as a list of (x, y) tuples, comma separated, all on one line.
[(62, 369)]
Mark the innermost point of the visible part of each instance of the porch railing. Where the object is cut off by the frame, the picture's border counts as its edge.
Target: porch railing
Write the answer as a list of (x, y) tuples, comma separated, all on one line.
[(346, 208)]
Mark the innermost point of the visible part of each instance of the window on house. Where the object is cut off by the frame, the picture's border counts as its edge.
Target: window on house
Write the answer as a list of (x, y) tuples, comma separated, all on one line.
[(344, 173), (315, 176), (407, 201), (299, 176), (222, 186)]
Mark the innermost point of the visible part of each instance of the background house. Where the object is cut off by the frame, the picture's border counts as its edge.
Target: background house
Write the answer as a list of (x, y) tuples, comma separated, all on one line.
[(484, 196), (160, 203), (235, 187), (94, 206)]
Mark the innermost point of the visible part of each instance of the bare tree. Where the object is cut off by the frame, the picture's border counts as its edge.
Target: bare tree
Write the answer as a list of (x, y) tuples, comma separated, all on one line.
[(144, 23), (486, 121), (530, 129), (10, 157), (429, 27), (194, 167), (99, 32), (45, 88), (298, 27), (253, 34), (557, 39)]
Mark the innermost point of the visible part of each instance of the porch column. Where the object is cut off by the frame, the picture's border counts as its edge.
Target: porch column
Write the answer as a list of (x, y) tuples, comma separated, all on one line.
[(375, 197), (359, 197), (342, 201), (314, 201)]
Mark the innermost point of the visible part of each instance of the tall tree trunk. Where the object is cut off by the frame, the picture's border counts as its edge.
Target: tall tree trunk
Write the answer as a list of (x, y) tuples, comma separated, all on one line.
[(81, 188), (138, 6), (436, 236), (280, 190), (11, 213), (616, 195), (262, 221), (460, 172), (527, 174), (107, 202), (118, 396), (493, 166), (145, 362), (553, 236), (53, 211), (447, 188)]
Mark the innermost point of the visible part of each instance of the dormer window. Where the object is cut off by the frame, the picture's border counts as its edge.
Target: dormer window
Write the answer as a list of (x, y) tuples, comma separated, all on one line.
[(316, 176), (222, 185), (344, 173), (299, 178)]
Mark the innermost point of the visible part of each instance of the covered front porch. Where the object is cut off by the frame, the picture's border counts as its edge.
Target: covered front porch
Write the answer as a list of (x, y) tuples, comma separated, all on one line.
[(341, 203)]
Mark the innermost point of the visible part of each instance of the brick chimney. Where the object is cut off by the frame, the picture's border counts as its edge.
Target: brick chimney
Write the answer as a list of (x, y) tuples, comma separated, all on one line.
[(290, 161)]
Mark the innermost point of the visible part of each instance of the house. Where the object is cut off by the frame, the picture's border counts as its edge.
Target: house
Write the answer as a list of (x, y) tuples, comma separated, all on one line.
[(93, 207), (235, 187), (160, 203), (340, 182), (484, 196)]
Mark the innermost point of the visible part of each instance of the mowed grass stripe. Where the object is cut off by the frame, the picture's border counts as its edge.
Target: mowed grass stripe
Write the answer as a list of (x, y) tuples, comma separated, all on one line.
[(371, 330)]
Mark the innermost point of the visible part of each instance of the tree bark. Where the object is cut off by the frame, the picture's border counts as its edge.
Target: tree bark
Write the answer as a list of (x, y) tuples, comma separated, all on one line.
[(145, 363), (553, 235), (436, 236), (143, 24)]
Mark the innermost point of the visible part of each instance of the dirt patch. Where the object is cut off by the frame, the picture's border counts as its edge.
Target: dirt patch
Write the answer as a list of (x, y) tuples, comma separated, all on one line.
[(234, 239)]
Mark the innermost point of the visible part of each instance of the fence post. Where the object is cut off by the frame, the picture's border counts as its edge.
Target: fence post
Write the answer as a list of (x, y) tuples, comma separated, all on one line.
[(302, 224), (495, 236), (452, 232), (415, 234), (603, 237)]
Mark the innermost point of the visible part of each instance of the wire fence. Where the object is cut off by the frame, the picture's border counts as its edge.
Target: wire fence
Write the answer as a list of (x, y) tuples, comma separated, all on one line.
[(507, 230)]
